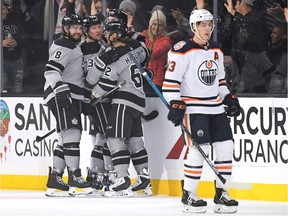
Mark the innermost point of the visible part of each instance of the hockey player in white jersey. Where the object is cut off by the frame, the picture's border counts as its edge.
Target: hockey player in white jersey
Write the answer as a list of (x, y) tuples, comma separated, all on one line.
[(101, 167), (124, 128), (196, 89), (63, 93)]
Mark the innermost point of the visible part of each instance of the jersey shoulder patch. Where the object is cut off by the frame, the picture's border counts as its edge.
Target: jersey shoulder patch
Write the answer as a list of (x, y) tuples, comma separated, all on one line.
[(179, 45), (182, 46)]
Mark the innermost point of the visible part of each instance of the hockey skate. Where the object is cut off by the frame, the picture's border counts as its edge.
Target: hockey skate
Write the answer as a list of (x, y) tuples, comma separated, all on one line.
[(142, 186), (223, 203), (96, 182), (121, 188), (192, 203), (109, 179), (56, 187), (78, 186)]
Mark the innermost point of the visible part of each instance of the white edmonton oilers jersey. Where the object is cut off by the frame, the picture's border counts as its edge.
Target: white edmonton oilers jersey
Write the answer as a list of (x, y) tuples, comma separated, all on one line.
[(196, 75), (65, 65)]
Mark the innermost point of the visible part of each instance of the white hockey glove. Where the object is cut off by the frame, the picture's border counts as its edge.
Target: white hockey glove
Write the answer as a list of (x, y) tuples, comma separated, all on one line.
[(62, 95)]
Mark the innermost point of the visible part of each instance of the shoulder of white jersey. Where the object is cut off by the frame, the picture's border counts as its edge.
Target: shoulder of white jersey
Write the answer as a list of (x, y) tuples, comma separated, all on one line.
[(90, 48), (183, 46), (64, 42)]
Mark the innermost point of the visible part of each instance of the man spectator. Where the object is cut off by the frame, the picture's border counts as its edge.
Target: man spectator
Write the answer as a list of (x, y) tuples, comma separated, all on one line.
[(249, 43), (13, 67)]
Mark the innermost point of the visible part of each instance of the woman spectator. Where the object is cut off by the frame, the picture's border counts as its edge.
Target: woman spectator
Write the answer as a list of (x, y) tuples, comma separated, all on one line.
[(159, 43)]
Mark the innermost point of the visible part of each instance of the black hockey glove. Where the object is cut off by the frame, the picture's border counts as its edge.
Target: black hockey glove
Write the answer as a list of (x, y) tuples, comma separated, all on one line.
[(136, 36), (176, 112), (233, 105), (62, 95), (106, 58)]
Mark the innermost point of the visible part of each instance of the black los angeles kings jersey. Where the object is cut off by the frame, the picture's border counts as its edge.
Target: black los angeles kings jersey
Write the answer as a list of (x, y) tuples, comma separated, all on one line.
[(124, 69)]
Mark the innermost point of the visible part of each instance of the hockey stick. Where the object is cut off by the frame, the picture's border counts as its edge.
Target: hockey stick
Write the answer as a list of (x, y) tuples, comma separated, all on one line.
[(40, 138), (221, 178), (150, 116), (107, 94)]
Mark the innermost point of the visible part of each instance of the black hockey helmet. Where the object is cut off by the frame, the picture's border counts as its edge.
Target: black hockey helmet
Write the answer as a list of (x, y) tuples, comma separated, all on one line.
[(90, 21), (116, 26), (118, 14), (72, 19)]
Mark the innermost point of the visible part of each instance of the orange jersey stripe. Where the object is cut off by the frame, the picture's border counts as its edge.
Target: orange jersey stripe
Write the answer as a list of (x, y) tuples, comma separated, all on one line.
[(195, 99), (170, 85), (192, 172), (223, 167)]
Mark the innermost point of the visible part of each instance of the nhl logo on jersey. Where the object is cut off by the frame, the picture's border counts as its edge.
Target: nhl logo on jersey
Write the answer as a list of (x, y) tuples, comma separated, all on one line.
[(207, 72)]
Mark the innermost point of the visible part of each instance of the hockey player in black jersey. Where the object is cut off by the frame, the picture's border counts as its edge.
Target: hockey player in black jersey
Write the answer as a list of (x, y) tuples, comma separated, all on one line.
[(63, 93), (124, 129), (196, 88), (101, 168)]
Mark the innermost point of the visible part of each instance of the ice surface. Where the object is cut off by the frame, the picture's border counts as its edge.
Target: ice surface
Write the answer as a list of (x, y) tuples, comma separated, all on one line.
[(32, 203)]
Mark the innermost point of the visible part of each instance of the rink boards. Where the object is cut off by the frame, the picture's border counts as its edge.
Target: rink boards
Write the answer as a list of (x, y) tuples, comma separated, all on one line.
[(259, 165)]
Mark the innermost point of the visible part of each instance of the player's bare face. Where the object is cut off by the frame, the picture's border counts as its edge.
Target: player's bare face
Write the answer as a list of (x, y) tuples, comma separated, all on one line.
[(204, 29), (95, 32), (157, 27), (75, 32)]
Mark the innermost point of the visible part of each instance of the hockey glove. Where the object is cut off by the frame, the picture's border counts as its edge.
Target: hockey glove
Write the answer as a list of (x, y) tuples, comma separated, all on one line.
[(233, 105), (176, 112), (62, 95), (106, 58), (136, 36)]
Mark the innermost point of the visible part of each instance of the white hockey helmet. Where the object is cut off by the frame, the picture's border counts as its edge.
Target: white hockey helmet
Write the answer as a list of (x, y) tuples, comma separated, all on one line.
[(200, 15)]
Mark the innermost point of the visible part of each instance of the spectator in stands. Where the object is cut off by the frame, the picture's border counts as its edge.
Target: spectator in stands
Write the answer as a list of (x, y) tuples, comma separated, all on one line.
[(159, 43), (249, 43), (93, 7), (276, 11), (278, 56), (62, 12), (129, 8), (182, 22), (13, 67)]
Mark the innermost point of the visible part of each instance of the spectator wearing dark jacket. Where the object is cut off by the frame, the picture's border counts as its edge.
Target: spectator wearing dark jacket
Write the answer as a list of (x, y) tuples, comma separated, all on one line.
[(278, 55), (13, 67)]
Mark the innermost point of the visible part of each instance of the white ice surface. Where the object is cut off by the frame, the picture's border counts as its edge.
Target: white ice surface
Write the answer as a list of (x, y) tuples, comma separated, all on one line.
[(32, 203)]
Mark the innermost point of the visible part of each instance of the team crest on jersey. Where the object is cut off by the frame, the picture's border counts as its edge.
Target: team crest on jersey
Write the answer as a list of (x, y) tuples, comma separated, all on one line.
[(179, 45), (207, 72)]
